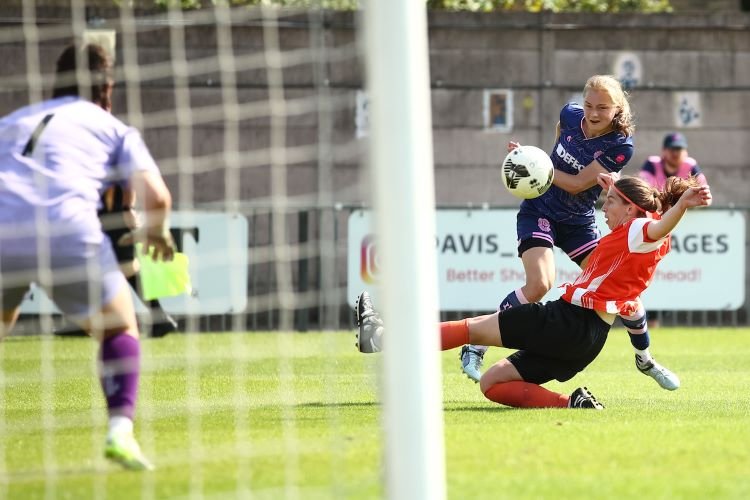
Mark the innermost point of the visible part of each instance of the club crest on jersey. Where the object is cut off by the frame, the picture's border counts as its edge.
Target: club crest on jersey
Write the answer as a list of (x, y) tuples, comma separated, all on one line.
[(568, 158), (543, 224)]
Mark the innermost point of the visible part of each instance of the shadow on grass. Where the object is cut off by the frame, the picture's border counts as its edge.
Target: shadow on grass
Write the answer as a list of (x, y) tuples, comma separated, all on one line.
[(480, 408), (373, 404), (41, 474), (26, 338), (317, 404)]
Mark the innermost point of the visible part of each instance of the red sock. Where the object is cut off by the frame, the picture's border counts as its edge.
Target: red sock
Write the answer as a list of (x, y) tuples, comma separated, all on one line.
[(454, 334), (525, 395)]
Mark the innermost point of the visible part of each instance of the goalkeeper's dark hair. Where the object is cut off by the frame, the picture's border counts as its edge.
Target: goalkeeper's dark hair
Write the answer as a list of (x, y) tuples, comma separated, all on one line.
[(99, 75), (649, 199)]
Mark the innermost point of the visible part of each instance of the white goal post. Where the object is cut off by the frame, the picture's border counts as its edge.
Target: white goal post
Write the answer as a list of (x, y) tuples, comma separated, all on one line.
[(401, 166), (248, 111)]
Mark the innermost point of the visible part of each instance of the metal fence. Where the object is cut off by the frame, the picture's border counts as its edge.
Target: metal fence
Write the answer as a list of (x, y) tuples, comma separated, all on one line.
[(304, 229), (318, 266)]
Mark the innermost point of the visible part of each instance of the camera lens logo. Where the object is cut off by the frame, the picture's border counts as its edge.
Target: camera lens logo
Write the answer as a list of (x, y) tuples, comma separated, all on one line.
[(368, 260)]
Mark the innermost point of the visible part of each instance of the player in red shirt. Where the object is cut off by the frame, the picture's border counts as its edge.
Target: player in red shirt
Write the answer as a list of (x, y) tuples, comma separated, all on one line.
[(558, 339)]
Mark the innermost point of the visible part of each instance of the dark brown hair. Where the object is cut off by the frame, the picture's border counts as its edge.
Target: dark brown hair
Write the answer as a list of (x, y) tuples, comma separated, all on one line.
[(650, 199), (99, 72)]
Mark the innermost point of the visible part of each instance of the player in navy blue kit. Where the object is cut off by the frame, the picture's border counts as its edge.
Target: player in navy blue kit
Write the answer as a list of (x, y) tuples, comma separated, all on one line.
[(593, 139)]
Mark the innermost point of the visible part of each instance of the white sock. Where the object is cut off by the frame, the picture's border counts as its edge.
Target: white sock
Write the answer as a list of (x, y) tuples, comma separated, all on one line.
[(521, 297), (480, 348), (643, 356), (120, 424)]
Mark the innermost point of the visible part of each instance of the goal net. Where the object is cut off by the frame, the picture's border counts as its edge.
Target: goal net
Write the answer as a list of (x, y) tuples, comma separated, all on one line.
[(271, 140)]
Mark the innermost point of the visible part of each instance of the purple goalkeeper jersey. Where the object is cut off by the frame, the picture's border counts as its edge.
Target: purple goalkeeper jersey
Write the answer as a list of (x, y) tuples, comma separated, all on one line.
[(573, 151), (56, 158)]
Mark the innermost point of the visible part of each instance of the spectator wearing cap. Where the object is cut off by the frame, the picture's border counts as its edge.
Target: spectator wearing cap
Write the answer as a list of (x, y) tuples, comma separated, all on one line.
[(673, 162)]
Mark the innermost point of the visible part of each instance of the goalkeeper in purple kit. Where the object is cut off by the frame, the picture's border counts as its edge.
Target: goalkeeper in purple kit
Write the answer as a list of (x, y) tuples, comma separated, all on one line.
[(57, 158)]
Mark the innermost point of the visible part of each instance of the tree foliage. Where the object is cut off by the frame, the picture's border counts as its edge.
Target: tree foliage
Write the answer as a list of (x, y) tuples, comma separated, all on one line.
[(600, 6)]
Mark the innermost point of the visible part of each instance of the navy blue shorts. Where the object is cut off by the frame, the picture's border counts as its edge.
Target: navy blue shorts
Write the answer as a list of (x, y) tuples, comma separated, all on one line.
[(555, 340), (534, 229)]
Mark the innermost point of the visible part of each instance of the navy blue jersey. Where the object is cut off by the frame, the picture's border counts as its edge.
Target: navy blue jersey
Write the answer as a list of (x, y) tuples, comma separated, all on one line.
[(573, 151)]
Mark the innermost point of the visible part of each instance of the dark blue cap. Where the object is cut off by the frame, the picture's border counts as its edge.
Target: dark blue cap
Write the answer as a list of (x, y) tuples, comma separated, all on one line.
[(675, 140)]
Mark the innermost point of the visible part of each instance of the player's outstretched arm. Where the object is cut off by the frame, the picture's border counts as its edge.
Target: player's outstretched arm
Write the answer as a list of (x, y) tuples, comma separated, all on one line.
[(586, 178), (699, 196), (607, 179)]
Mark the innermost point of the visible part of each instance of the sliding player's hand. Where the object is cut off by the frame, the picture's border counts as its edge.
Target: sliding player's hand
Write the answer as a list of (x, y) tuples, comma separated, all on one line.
[(607, 180), (156, 242), (699, 196)]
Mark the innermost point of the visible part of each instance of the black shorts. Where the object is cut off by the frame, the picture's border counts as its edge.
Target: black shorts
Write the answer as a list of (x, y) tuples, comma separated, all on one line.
[(125, 253), (111, 215), (555, 340)]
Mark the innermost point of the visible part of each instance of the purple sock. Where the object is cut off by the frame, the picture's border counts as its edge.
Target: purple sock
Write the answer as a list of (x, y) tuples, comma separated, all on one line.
[(119, 370)]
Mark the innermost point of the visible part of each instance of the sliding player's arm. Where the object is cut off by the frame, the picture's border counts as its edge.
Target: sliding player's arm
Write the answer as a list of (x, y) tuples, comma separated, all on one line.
[(693, 197)]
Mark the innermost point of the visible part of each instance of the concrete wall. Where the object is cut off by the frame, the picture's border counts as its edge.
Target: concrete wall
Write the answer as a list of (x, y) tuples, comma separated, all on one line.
[(547, 63), (306, 131), (544, 58)]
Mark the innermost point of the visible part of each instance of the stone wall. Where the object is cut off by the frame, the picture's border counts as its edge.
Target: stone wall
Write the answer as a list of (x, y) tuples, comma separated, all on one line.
[(548, 63), (544, 59)]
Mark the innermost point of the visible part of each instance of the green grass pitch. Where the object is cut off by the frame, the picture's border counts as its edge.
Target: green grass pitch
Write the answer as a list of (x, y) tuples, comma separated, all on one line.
[(269, 416)]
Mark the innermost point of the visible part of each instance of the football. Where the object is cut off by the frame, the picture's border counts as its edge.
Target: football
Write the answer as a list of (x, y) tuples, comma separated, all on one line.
[(527, 172)]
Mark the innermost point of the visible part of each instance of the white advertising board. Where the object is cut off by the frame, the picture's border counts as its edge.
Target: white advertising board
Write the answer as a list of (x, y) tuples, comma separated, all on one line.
[(478, 263), (216, 244)]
